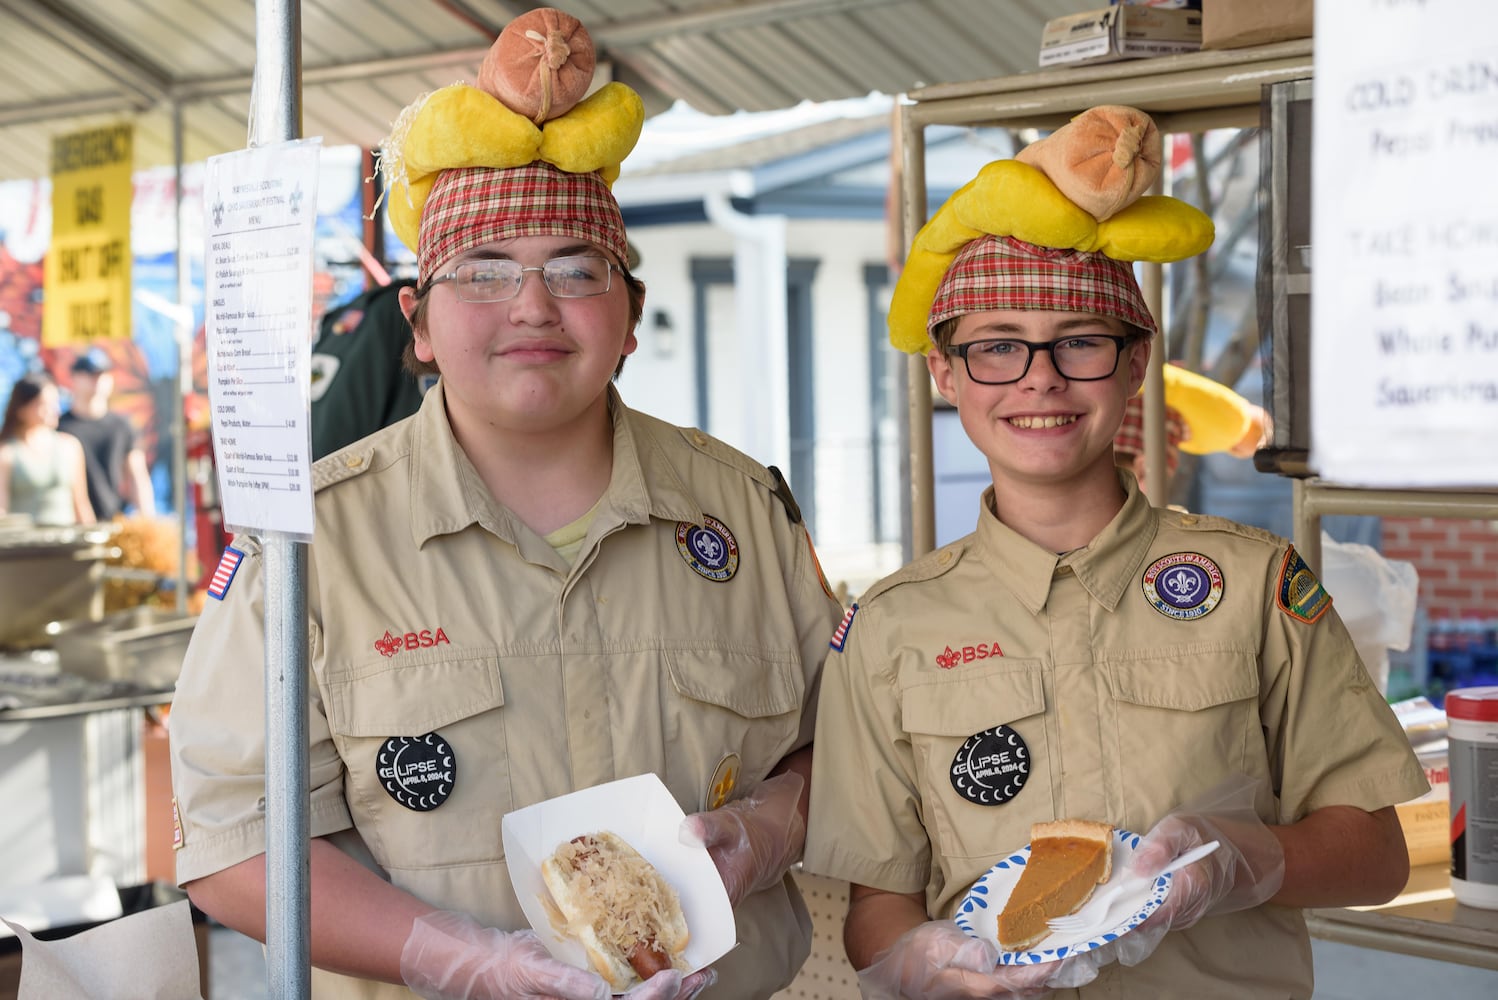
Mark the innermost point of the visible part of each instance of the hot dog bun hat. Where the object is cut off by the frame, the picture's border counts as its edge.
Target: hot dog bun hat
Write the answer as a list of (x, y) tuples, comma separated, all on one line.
[(1057, 227), (523, 153)]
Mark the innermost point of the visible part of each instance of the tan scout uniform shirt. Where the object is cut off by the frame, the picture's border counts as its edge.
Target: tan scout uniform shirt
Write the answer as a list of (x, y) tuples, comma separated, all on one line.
[(432, 610), (1126, 713)]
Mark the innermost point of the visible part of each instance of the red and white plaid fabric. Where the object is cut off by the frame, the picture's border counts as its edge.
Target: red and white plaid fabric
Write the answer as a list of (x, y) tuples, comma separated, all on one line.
[(471, 206), (1001, 272), (1130, 437)]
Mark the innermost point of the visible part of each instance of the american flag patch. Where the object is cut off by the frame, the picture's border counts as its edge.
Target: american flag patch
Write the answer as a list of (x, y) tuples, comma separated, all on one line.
[(228, 565), (840, 636)]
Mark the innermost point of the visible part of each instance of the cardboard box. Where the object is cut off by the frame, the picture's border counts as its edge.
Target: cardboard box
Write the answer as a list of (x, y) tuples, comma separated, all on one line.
[(1233, 24), (1426, 821), (1125, 31)]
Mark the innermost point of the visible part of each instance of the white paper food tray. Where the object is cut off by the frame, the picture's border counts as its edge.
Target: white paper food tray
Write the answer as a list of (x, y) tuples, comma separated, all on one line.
[(641, 811)]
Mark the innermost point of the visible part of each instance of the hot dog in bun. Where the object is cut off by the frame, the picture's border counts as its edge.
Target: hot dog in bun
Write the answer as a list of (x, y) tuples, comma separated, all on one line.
[(625, 914)]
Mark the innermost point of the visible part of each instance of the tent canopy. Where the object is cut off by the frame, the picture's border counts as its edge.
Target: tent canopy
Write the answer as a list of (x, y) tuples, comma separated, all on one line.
[(69, 65)]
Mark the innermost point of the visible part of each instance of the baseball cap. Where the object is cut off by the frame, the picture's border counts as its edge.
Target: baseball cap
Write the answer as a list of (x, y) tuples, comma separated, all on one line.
[(92, 362)]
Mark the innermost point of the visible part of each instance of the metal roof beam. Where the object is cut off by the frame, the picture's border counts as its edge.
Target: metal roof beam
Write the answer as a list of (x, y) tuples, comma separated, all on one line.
[(149, 82), (645, 30), (193, 88)]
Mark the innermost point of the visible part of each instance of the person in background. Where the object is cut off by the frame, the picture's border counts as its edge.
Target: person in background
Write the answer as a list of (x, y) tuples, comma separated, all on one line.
[(1128, 443), (118, 476), (1083, 654), (525, 589), (358, 382), (41, 468)]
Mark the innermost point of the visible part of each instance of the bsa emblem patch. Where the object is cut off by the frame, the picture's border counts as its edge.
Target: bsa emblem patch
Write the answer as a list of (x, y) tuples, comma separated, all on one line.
[(1183, 585), (991, 767), (724, 780), (417, 771), (1300, 594), (709, 548)]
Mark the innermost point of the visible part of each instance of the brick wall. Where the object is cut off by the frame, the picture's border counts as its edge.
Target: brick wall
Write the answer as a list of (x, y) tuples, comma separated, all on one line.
[(1457, 562)]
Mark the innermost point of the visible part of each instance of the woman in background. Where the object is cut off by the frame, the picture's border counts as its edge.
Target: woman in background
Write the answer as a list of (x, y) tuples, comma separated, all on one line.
[(41, 468)]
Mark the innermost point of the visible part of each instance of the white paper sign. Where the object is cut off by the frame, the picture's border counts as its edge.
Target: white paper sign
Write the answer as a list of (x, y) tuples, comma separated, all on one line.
[(260, 208), (1404, 359)]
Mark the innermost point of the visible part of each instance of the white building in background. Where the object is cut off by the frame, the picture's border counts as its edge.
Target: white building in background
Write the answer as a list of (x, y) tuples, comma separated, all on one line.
[(763, 244)]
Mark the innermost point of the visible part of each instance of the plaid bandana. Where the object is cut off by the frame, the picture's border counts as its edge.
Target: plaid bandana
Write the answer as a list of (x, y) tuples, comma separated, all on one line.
[(471, 206), (1001, 272), (1130, 437)]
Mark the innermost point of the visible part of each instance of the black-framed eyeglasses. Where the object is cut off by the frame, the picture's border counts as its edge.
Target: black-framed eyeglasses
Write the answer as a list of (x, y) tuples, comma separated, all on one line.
[(497, 280), (1086, 358)]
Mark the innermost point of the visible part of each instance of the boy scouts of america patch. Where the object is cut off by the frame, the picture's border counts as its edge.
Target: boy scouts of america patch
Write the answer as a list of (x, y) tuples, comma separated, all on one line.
[(228, 565), (1183, 585), (840, 634), (709, 548), (1300, 594)]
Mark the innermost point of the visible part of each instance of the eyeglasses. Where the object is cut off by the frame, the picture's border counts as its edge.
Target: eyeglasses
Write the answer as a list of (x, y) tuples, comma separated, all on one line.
[(498, 280), (1079, 359)]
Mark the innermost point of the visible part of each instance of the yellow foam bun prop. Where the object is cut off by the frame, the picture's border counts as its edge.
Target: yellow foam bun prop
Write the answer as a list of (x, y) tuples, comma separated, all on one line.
[(1020, 199), (1217, 417), (1010, 198), (1157, 229), (597, 134)]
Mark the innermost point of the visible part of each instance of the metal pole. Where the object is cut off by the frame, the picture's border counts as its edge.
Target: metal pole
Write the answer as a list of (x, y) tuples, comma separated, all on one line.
[(183, 326), (277, 117), (920, 448)]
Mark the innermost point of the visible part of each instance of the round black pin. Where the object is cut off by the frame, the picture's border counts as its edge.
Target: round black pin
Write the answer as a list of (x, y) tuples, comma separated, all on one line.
[(991, 767), (417, 771)]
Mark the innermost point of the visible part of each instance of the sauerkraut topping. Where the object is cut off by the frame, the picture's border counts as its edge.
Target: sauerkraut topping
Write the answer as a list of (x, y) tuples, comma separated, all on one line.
[(616, 891)]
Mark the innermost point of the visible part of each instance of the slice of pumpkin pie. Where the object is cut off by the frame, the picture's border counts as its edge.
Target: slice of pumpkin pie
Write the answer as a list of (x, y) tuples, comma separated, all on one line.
[(1068, 859)]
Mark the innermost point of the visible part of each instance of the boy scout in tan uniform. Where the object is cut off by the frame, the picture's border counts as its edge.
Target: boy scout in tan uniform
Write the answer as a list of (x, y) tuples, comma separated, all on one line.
[(466, 662), (1085, 655)]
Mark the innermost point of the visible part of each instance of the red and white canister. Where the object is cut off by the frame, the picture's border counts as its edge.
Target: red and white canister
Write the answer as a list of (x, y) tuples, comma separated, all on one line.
[(1472, 734)]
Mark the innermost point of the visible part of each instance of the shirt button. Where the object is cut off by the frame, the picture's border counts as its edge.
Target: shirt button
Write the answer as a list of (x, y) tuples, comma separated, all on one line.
[(354, 461), (699, 438), (1188, 520), (944, 558)]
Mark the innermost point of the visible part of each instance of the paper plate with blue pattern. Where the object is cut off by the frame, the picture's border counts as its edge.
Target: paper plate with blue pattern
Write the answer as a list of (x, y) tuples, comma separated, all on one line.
[(978, 913)]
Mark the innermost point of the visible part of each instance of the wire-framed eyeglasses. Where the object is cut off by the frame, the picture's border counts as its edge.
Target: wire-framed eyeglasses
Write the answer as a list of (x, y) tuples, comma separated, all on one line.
[(499, 279), (1086, 358)]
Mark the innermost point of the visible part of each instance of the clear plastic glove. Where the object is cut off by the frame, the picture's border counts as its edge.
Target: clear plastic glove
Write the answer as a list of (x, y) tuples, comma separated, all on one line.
[(450, 956), (1245, 871), (672, 985), (753, 840), (937, 961)]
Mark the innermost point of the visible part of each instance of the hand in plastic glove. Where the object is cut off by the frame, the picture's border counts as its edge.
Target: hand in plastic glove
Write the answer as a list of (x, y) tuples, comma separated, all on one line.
[(449, 956), (1245, 870), (937, 961), (753, 840), (672, 985)]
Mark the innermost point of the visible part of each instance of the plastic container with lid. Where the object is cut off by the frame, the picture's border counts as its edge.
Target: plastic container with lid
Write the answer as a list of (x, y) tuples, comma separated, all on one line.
[(1472, 721)]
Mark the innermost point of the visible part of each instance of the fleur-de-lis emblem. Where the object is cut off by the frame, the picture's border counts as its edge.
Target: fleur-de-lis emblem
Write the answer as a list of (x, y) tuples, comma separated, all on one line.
[(948, 658), (388, 645)]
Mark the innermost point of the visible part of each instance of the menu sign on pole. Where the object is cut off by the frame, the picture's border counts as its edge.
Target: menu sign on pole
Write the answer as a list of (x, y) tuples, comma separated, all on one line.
[(1404, 357), (260, 208)]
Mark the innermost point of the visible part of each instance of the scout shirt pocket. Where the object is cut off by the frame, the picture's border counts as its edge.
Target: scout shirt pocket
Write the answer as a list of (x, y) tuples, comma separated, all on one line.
[(724, 702), (423, 743), (981, 758), (1189, 710)]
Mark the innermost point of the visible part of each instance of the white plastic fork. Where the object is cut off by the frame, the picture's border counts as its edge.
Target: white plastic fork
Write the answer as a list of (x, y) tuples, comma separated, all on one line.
[(1096, 910)]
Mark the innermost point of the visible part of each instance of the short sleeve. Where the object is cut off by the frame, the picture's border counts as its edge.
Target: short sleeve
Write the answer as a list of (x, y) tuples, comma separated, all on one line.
[(865, 821), (218, 734), (1331, 736)]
